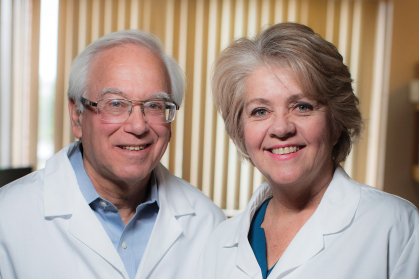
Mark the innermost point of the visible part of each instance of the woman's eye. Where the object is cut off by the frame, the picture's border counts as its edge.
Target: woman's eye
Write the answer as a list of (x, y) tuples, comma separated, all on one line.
[(304, 107), (259, 112)]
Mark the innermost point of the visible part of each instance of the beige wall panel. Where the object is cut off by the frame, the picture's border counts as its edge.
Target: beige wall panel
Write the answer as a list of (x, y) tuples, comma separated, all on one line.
[(190, 48), (59, 109), (400, 145), (96, 17), (210, 113), (221, 143), (134, 14), (280, 11), (17, 97), (195, 114), (146, 15), (317, 17), (34, 83), (364, 85), (168, 45), (123, 16), (293, 14)]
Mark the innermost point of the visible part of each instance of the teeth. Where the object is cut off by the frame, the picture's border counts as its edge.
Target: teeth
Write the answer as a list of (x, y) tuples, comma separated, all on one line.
[(286, 150), (134, 148)]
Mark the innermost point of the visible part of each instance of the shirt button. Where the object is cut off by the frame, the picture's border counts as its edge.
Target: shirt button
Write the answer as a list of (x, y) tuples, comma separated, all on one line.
[(124, 245), (103, 204)]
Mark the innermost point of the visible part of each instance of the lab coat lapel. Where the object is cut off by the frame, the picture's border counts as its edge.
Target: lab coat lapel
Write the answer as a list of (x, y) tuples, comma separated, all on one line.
[(333, 215), (307, 243), (172, 204), (245, 258), (65, 199)]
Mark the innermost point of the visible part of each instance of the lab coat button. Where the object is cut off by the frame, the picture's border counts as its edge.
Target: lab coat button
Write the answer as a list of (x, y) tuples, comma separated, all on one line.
[(103, 204), (124, 245)]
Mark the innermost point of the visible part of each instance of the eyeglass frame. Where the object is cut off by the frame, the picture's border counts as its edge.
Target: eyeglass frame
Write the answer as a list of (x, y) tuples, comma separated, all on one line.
[(87, 102)]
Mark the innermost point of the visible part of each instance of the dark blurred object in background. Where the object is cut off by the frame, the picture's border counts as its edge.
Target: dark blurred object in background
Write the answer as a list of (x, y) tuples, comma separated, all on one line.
[(9, 175)]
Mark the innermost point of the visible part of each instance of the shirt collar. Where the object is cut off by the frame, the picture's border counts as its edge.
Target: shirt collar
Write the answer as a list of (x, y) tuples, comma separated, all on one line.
[(86, 186)]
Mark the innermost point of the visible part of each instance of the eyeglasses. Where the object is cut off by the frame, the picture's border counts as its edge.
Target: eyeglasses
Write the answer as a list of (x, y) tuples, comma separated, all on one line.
[(118, 110)]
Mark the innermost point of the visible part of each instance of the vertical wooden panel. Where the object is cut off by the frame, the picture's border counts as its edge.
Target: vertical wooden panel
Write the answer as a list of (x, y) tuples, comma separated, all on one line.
[(71, 40), (265, 17), (377, 98), (17, 98), (354, 67), (34, 83), (168, 43), (134, 16), (5, 84), (196, 145), (385, 96), (293, 11), (121, 15), (83, 25), (146, 15), (304, 12), (279, 11), (108, 15), (208, 158), (234, 168), (221, 143), (96, 15), (330, 22)]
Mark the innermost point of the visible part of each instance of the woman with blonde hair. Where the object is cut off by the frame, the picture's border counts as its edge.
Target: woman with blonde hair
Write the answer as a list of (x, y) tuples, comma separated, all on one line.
[(288, 104)]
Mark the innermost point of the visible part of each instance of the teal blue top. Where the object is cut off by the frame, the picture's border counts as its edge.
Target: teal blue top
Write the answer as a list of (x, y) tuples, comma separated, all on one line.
[(257, 239)]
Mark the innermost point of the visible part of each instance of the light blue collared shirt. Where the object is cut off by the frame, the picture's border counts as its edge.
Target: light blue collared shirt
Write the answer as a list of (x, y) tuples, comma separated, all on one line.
[(131, 240)]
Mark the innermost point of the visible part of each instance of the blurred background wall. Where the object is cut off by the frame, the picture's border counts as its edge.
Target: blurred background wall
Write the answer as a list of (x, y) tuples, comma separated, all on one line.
[(378, 39), (400, 148)]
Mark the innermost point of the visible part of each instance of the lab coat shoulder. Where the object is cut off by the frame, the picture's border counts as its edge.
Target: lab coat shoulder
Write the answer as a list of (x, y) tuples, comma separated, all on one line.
[(397, 220), (201, 205)]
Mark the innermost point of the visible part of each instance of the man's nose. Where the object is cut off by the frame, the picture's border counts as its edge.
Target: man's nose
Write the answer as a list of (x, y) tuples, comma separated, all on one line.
[(282, 126), (136, 122)]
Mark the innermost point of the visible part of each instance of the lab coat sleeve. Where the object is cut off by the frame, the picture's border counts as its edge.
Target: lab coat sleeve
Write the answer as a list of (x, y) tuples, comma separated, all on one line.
[(407, 266)]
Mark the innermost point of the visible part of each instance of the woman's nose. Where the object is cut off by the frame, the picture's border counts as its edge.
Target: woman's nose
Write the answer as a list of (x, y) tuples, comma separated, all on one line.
[(282, 126), (136, 122)]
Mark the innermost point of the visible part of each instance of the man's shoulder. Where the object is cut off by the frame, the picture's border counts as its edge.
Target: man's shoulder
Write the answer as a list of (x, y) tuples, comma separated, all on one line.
[(24, 192)]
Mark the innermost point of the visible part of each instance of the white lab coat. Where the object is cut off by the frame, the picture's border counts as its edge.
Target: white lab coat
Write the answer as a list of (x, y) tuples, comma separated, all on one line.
[(47, 230), (356, 232)]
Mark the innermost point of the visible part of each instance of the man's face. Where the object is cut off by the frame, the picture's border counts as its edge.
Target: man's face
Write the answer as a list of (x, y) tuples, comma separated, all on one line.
[(133, 73)]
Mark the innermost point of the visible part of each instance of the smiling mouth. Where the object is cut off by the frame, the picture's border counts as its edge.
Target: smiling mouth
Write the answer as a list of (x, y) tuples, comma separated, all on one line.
[(134, 148), (285, 150)]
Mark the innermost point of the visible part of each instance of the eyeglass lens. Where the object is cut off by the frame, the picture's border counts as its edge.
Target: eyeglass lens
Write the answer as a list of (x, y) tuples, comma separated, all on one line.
[(118, 110)]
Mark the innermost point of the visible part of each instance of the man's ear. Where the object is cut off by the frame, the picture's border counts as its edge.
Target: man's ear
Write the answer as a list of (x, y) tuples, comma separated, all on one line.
[(75, 118)]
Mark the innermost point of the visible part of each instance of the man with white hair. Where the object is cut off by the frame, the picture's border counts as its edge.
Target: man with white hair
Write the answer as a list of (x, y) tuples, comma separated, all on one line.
[(104, 207)]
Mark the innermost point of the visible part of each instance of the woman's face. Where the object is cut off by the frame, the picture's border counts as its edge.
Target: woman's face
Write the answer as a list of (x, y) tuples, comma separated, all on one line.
[(288, 136)]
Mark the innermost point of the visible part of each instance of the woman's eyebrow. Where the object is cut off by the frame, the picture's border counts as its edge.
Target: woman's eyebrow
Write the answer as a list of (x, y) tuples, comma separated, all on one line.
[(258, 101)]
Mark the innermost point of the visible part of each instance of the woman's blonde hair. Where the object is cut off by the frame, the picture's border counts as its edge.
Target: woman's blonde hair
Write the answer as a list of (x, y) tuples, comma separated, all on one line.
[(317, 66)]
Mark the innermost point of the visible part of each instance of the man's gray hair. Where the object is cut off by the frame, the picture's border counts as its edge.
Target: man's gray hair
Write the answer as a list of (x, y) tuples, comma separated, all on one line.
[(79, 73)]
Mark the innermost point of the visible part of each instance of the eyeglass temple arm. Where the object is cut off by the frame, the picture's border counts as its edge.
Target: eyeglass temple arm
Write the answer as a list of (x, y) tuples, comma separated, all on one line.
[(86, 102)]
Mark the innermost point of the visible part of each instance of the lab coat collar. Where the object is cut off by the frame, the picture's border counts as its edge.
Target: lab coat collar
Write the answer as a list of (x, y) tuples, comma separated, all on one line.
[(60, 183), (333, 215), (173, 205), (62, 198)]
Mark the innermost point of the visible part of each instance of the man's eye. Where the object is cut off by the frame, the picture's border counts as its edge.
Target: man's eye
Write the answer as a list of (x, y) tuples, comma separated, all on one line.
[(304, 107), (259, 112), (155, 105), (116, 103)]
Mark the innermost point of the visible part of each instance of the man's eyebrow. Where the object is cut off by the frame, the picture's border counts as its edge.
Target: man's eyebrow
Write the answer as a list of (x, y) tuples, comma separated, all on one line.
[(112, 90), (160, 95)]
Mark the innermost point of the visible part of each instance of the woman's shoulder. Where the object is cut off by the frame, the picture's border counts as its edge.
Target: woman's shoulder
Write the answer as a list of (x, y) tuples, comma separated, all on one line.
[(390, 208)]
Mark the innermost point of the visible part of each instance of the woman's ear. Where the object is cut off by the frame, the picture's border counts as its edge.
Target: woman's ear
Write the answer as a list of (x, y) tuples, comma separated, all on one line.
[(75, 118)]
